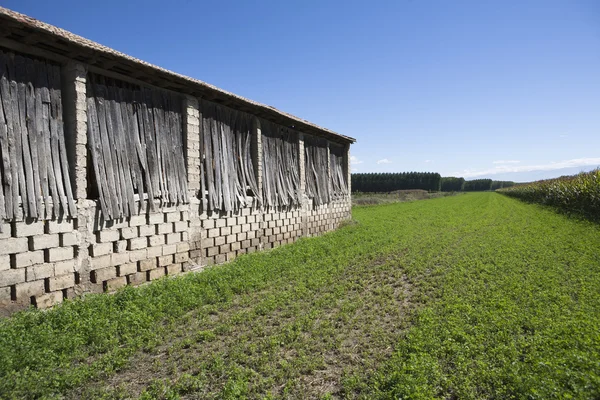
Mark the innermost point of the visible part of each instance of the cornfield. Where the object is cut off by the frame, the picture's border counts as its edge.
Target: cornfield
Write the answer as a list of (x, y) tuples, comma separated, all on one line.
[(578, 193)]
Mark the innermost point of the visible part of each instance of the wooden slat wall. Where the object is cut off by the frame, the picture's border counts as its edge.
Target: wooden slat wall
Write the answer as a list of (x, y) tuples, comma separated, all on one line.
[(339, 179), (34, 169), (227, 171), (317, 183), (281, 167), (135, 138)]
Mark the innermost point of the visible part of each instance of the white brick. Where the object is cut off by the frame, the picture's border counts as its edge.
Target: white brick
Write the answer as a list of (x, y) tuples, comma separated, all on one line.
[(119, 258), (27, 289), (180, 226), (138, 243), (29, 228), (108, 236), (60, 253), (137, 220), (172, 216), (100, 249), (173, 238), (129, 233), (157, 240), (29, 258), (41, 242), (147, 230), (61, 282), (102, 262), (104, 274), (60, 227), (64, 267), (12, 276), (164, 228), (127, 269), (169, 249), (14, 245), (157, 218), (41, 271), (48, 300), (138, 255)]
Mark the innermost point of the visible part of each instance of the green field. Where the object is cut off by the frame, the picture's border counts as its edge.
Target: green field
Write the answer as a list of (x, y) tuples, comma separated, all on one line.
[(473, 296)]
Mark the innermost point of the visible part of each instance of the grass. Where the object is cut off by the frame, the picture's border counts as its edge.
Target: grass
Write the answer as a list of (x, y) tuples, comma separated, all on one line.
[(398, 196), (473, 296)]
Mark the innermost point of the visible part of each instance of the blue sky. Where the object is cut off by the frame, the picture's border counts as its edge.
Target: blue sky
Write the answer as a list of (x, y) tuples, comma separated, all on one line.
[(498, 89)]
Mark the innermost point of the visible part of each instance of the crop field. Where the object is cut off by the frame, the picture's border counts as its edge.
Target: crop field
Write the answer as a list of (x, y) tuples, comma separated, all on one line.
[(474, 296)]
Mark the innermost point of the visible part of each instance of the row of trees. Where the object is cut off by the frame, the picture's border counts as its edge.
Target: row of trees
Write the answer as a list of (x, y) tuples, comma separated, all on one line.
[(432, 181), (388, 182)]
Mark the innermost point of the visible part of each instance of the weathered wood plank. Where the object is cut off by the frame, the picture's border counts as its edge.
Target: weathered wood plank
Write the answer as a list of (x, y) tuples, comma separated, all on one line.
[(6, 175), (61, 141), (106, 152), (32, 133), (96, 152), (140, 145), (46, 130), (42, 164), (55, 142)]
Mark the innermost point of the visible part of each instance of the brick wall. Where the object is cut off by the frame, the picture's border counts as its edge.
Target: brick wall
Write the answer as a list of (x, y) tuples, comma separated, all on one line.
[(43, 262)]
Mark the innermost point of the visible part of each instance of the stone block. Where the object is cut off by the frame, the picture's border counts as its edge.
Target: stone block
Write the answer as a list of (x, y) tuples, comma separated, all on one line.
[(14, 245), (104, 274), (173, 237), (64, 267), (137, 255), (61, 282), (169, 249), (105, 236), (213, 232), (4, 262), (236, 229), (221, 222), (63, 226), (129, 232), (157, 218), (137, 279), (137, 220), (29, 227), (102, 262), (116, 283), (180, 226), (165, 260), (138, 243), (147, 230), (40, 271), (25, 290), (147, 264), (174, 269), (181, 257), (165, 228), (68, 239), (23, 260), (126, 269), (41, 242), (156, 273), (208, 223), (172, 216), (235, 246), (120, 246), (48, 300), (211, 251), (120, 258), (154, 251), (220, 258), (156, 240), (181, 247), (60, 254), (226, 230), (100, 249)]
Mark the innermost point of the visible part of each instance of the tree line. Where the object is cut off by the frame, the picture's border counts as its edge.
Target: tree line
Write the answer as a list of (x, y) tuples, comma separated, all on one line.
[(431, 181)]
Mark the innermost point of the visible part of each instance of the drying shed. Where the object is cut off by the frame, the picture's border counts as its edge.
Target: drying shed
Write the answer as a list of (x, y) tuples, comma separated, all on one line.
[(114, 171)]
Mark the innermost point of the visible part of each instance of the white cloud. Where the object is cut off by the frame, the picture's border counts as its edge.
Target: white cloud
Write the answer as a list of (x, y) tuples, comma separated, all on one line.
[(353, 169), (501, 169), (354, 160), (428, 161), (506, 162), (384, 161)]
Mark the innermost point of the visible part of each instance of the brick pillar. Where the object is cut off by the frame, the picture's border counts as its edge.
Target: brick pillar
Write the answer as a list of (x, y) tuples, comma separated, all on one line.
[(256, 148), (75, 116), (191, 121), (348, 167), (303, 197)]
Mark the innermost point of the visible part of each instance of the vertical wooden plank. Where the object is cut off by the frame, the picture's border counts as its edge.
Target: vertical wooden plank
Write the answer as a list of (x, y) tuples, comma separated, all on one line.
[(131, 135), (95, 147), (121, 150), (5, 176), (104, 125), (43, 168), (47, 152), (32, 131), (151, 146), (140, 144), (54, 139), (64, 164)]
